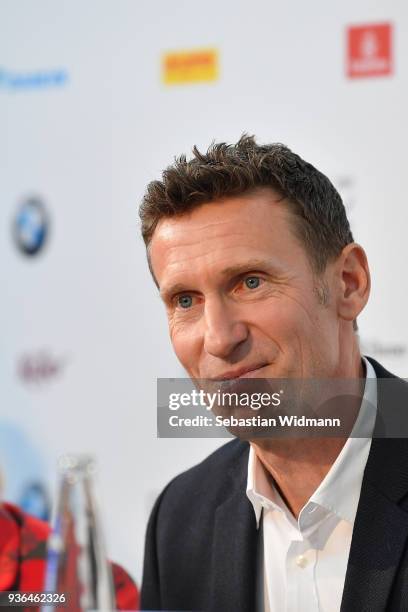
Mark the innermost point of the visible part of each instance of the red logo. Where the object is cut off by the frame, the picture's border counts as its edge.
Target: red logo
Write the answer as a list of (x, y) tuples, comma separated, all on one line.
[(40, 367), (369, 50)]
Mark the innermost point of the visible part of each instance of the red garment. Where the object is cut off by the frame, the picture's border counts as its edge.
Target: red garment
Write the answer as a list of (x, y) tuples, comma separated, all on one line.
[(23, 541)]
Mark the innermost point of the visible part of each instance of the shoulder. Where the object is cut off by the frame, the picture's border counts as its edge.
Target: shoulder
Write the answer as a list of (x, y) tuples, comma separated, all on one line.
[(215, 468), (381, 372), (391, 390), (207, 484)]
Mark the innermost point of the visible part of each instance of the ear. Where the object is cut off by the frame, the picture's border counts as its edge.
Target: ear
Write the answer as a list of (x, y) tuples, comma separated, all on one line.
[(355, 281)]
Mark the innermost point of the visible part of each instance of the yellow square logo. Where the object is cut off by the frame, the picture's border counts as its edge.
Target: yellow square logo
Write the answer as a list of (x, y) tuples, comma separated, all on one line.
[(194, 66)]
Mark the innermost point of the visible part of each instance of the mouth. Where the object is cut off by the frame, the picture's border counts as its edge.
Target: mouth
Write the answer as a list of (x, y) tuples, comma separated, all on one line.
[(243, 372)]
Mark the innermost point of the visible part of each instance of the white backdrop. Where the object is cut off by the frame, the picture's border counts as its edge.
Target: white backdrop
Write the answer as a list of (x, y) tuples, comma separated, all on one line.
[(84, 313)]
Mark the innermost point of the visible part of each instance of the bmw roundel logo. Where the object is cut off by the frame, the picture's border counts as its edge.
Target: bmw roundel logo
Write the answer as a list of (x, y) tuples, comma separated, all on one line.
[(31, 226)]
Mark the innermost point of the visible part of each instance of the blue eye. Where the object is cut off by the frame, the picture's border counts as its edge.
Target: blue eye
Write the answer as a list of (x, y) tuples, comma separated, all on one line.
[(185, 301), (252, 282)]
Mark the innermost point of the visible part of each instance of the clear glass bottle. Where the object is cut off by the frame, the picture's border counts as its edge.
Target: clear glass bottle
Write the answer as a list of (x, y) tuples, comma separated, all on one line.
[(76, 560)]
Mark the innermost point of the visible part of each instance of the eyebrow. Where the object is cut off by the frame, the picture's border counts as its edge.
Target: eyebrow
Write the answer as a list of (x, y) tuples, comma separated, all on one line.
[(246, 266), (166, 292), (230, 271)]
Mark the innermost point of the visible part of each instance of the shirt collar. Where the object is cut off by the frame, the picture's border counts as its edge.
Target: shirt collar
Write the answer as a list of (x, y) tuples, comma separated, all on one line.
[(345, 475)]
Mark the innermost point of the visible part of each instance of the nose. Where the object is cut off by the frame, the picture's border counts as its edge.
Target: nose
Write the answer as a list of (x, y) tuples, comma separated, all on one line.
[(224, 331)]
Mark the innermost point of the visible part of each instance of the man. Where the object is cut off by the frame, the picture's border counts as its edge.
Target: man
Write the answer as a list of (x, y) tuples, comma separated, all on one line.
[(253, 255)]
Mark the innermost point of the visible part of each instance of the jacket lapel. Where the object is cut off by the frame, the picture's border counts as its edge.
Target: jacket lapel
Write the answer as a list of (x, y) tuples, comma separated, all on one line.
[(381, 527), (234, 555)]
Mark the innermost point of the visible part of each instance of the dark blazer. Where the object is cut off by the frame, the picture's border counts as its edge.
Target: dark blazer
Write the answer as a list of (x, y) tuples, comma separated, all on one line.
[(202, 540)]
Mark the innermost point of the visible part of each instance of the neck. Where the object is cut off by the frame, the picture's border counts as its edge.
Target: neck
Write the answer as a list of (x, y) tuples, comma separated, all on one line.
[(297, 466)]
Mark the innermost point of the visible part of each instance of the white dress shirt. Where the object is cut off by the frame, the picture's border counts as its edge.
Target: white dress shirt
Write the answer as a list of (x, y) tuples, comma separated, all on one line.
[(305, 559)]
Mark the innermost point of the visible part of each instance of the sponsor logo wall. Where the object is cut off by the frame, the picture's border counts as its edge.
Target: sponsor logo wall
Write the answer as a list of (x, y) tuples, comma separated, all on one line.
[(84, 334)]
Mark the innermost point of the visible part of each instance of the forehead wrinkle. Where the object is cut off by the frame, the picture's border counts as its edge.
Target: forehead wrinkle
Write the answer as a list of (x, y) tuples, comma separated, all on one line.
[(188, 241), (210, 250)]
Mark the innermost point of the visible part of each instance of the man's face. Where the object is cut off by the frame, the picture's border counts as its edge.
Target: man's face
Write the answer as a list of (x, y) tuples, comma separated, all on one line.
[(240, 292)]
